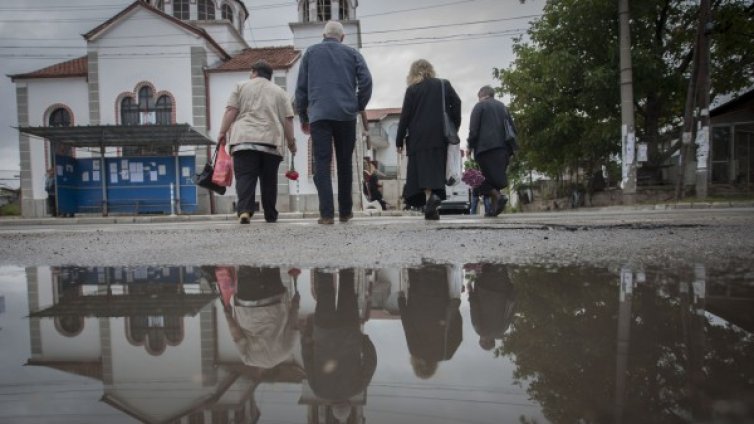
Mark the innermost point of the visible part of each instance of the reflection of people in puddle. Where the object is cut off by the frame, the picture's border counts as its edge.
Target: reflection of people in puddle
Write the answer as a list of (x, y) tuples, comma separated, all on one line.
[(431, 318), (262, 317), (492, 300), (338, 358)]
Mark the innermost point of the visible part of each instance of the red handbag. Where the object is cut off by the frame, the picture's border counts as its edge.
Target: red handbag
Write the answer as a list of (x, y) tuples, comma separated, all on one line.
[(223, 175)]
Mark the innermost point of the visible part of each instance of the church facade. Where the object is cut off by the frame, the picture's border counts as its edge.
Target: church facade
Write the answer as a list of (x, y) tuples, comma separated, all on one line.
[(161, 62)]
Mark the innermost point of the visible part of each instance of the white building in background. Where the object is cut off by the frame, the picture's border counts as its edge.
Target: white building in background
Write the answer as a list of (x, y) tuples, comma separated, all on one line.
[(167, 62)]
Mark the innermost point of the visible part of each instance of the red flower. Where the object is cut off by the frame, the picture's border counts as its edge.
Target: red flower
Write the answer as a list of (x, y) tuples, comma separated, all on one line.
[(294, 272), (292, 175)]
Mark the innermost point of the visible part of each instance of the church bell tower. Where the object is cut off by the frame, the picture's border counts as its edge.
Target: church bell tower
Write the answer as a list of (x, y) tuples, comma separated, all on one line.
[(312, 16)]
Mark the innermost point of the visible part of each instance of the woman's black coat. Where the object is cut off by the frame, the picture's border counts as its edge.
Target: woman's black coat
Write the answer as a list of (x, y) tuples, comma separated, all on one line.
[(421, 123)]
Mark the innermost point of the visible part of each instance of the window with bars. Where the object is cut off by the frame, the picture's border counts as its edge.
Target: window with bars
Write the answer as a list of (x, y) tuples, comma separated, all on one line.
[(164, 110), (147, 112), (129, 112), (60, 118), (181, 9), (343, 9), (324, 11), (206, 10)]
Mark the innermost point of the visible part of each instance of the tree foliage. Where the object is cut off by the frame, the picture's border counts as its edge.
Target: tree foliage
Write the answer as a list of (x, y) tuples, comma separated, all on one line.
[(679, 362), (564, 83)]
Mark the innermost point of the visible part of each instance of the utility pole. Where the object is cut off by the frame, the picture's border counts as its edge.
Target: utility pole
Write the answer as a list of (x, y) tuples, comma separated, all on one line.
[(698, 95), (703, 91), (628, 134)]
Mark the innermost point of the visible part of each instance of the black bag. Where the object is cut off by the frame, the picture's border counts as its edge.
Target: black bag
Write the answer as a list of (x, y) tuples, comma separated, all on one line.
[(449, 129), (204, 179), (510, 132)]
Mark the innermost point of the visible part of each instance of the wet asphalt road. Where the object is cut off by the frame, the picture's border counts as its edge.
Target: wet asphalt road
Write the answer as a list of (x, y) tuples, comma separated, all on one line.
[(720, 238)]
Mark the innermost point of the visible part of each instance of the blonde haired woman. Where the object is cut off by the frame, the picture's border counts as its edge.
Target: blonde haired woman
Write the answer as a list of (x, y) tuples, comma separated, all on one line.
[(421, 131)]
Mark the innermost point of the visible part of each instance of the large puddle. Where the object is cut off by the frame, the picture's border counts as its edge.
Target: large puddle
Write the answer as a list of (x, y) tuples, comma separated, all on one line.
[(479, 343)]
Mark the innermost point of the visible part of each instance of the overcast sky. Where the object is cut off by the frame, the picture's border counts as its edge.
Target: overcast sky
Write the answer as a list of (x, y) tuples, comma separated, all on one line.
[(40, 33)]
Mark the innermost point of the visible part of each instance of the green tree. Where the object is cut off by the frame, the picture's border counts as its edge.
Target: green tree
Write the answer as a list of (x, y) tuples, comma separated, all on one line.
[(564, 83)]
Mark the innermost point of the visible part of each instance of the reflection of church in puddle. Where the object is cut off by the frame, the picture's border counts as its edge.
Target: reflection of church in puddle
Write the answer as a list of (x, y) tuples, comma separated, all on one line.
[(158, 340)]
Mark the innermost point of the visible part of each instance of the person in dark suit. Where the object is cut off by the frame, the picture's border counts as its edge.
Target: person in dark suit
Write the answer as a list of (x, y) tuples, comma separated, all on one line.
[(492, 299), (339, 359), (421, 131), (492, 139), (431, 319)]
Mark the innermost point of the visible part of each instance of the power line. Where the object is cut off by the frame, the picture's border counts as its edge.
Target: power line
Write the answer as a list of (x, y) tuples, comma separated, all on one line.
[(417, 28), (384, 43)]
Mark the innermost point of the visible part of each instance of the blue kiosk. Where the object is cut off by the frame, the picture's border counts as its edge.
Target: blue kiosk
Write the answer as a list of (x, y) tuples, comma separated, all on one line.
[(129, 184)]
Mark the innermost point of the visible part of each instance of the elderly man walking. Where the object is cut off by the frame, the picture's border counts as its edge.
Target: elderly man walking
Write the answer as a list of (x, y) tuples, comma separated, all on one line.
[(492, 139), (334, 85), (259, 118)]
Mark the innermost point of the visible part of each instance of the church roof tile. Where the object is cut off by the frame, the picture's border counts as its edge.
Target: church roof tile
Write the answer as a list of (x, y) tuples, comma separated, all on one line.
[(282, 57)]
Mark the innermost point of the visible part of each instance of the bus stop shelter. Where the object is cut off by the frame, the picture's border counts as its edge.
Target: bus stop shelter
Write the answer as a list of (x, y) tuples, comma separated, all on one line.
[(158, 182)]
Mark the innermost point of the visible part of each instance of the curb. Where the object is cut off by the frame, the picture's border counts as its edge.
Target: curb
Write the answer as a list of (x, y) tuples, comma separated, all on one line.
[(285, 216), (95, 220)]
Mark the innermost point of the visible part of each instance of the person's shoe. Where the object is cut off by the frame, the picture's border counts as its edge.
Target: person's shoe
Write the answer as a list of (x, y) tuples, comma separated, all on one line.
[(430, 211), (244, 218), (345, 217), (498, 202), (271, 218), (326, 221), (432, 217)]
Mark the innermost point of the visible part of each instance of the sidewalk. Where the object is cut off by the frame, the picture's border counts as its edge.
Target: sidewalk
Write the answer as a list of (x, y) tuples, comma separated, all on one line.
[(148, 219)]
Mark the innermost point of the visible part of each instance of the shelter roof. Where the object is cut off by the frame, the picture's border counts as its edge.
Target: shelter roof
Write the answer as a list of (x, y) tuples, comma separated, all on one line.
[(128, 305), (121, 135)]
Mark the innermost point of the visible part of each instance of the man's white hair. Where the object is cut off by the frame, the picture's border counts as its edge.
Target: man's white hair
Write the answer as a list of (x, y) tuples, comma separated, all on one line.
[(333, 29)]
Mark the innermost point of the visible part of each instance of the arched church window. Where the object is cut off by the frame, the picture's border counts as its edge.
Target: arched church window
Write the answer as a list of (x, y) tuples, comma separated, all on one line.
[(227, 12), (129, 112), (60, 118), (324, 10), (206, 10), (181, 9), (343, 10), (164, 110)]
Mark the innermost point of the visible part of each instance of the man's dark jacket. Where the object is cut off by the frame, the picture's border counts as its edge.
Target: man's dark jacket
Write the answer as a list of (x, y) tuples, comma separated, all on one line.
[(487, 129)]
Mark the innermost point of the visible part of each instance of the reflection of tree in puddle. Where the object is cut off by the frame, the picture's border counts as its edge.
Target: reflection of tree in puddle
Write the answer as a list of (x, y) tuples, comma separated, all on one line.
[(682, 364)]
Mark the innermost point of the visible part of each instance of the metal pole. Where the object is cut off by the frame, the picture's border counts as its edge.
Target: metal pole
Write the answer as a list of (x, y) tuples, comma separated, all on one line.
[(103, 179), (628, 134), (176, 201), (172, 199), (55, 178)]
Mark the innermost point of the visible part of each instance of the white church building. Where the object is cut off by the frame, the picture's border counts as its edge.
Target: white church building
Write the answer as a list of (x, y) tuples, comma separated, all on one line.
[(126, 127)]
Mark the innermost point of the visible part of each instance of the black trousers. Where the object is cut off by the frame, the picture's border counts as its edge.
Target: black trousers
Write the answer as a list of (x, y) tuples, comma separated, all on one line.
[(51, 209), (248, 166), (341, 134), (328, 313), (494, 165), (258, 283)]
